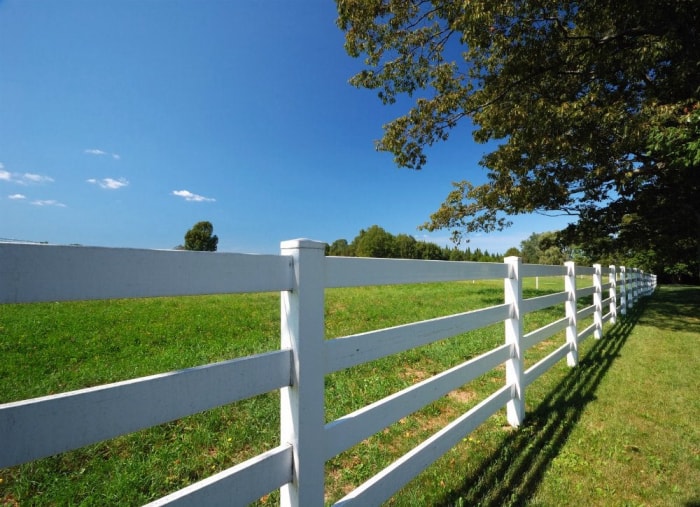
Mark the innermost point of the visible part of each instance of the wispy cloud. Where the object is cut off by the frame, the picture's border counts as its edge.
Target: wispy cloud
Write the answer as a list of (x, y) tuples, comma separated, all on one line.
[(98, 152), (48, 202), (189, 196), (23, 179), (109, 183), (17, 197), (35, 178)]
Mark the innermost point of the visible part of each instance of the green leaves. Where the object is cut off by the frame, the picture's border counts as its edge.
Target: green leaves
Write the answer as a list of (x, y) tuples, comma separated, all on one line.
[(591, 100), (200, 238)]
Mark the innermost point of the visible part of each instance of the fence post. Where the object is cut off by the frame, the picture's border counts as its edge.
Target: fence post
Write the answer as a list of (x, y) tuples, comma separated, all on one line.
[(513, 294), (598, 301), (623, 290), (632, 295), (612, 294), (302, 408), (570, 307)]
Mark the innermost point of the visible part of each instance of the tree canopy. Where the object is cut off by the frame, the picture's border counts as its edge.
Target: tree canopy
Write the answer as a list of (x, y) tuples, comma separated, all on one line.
[(595, 106), (201, 238)]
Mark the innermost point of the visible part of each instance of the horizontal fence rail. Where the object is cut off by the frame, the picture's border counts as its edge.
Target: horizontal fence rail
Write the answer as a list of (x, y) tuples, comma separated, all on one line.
[(33, 273), (39, 427)]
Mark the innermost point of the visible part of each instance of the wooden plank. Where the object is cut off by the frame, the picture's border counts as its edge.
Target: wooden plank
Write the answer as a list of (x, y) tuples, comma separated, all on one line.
[(348, 430), (540, 302), (387, 482), (585, 312), (545, 364), (360, 348), (586, 333), (39, 427), (238, 485), (33, 273), (584, 270), (584, 291), (356, 271), (534, 337), (532, 270)]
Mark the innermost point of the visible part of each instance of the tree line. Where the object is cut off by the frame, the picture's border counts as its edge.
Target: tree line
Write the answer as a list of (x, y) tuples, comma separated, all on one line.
[(377, 242), (538, 248)]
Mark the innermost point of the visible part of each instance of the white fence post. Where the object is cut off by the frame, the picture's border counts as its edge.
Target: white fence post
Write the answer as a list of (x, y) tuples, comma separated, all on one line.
[(632, 294), (623, 290), (598, 301), (302, 405), (513, 294), (570, 307), (612, 294)]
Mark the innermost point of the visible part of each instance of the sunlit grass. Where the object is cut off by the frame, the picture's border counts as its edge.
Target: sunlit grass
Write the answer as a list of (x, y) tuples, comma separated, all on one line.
[(48, 348)]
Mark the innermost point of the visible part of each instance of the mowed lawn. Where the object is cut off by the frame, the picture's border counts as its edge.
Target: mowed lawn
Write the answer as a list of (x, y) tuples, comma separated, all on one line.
[(617, 430), (637, 442)]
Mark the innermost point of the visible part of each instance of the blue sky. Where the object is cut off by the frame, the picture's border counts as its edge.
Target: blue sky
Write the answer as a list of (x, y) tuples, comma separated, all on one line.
[(124, 122)]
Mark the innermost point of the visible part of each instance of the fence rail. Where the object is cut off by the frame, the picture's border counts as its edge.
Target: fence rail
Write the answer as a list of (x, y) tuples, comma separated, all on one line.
[(39, 427)]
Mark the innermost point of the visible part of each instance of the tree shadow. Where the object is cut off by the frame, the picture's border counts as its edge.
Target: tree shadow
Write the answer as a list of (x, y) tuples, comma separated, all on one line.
[(511, 475), (675, 308)]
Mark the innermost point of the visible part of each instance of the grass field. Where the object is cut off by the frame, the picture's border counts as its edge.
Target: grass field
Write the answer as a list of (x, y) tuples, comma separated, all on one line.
[(55, 347)]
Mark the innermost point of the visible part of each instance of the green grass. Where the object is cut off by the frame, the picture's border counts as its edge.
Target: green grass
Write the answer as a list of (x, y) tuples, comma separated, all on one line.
[(636, 440), (49, 348)]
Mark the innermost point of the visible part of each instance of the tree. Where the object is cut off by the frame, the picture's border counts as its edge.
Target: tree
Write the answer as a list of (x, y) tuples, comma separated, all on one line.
[(200, 238), (594, 104), (374, 242), (512, 252), (340, 247), (405, 246), (543, 248), (377, 242)]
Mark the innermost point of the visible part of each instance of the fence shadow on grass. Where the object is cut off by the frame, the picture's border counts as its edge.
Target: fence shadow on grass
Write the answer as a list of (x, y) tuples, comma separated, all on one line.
[(512, 474)]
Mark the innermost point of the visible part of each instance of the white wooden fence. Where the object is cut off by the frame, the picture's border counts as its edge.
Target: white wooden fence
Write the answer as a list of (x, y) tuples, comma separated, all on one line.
[(39, 427)]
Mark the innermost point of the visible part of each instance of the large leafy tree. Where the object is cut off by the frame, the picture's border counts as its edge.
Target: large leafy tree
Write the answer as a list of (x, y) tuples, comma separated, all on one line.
[(201, 238), (594, 106)]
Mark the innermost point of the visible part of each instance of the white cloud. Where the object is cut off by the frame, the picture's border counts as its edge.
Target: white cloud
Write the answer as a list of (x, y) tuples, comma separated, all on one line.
[(189, 196), (109, 183), (23, 179), (48, 202), (17, 197), (99, 153), (36, 178)]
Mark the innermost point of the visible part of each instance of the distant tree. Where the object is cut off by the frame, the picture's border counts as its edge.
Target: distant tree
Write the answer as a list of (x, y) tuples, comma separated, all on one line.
[(405, 246), (340, 247), (430, 251), (543, 248), (530, 249), (374, 242), (200, 238), (512, 252), (377, 242)]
